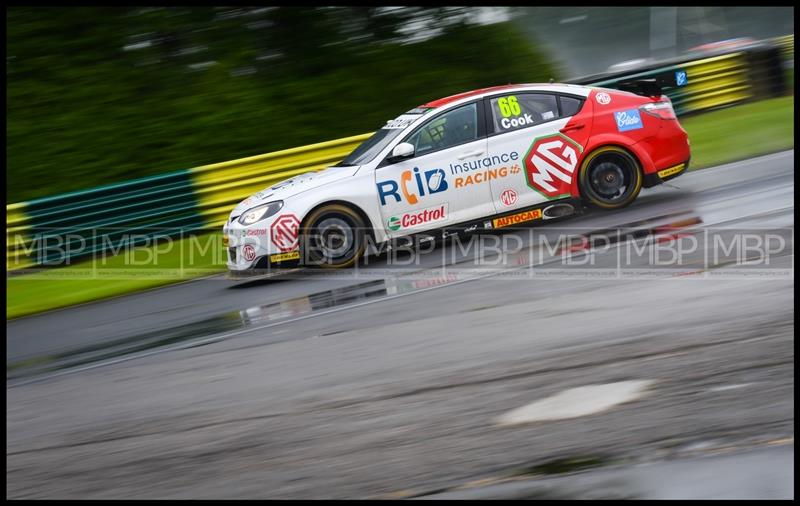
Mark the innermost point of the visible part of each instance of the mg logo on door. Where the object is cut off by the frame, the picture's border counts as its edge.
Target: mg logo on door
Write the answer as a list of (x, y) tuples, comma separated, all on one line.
[(508, 197), (550, 165)]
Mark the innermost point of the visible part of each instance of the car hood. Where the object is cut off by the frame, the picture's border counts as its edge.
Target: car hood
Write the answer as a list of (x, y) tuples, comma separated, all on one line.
[(293, 186)]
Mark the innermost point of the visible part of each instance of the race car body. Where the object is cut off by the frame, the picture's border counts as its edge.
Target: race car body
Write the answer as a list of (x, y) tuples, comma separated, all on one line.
[(493, 157)]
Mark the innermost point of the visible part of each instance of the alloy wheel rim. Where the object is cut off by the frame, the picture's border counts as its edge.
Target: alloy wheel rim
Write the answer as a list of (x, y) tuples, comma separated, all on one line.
[(609, 181), (335, 237)]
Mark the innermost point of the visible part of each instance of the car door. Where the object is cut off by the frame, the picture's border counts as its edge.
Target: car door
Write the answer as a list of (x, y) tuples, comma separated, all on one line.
[(525, 133), (422, 192)]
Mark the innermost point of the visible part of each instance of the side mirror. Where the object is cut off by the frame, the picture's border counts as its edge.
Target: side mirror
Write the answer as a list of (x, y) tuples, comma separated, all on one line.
[(402, 150)]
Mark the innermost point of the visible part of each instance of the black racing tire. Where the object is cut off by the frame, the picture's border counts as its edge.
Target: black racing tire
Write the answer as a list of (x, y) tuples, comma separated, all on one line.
[(332, 237), (610, 178)]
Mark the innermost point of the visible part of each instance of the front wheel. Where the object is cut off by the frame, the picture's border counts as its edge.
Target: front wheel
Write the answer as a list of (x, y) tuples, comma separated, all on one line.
[(333, 237), (610, 178)]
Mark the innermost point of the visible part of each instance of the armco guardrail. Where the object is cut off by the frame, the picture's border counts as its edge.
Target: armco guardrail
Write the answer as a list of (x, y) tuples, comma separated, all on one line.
[(716, 78), (52, 229), (712, 82), (220, 186), (786, 43), (58, 228)]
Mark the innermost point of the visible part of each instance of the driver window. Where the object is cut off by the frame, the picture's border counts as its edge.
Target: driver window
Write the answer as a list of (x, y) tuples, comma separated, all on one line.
[(513, 112), (450, 129)]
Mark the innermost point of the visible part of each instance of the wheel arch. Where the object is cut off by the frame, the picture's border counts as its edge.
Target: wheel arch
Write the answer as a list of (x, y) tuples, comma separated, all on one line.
[(635, 154), (642, 159), (624, 147), (354, 207), (637, 149)]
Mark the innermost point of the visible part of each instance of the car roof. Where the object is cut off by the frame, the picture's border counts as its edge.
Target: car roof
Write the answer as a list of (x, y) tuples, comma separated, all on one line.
[(487, 91)]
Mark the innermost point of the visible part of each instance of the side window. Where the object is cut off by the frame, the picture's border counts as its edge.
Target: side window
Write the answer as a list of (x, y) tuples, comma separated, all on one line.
[(522, 110), (450, 129), (570, 106)]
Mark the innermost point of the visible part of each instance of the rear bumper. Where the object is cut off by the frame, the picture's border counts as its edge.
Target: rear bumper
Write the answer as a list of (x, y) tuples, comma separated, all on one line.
[(667, 149), (665, 174)]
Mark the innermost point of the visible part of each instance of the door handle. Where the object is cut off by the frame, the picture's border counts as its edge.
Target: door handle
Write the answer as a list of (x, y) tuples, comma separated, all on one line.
[(576, 126), (471, 153)]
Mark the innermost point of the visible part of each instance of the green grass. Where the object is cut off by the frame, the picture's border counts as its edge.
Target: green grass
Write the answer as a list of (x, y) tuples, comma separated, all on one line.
[(717, 137), (741, 132), (173, 262)]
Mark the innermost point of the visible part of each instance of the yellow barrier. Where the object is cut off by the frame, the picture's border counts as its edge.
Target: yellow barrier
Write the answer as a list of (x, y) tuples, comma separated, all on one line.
[(221, 186), (717, 81), (217, 188), (17, 224), (713, 82), (786, 43)]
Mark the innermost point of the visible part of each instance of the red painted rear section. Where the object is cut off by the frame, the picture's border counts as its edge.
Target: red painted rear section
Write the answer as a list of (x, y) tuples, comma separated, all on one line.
[(659, 144)]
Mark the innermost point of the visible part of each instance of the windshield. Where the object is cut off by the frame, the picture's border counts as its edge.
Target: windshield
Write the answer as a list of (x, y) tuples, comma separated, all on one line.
[(370, 148)]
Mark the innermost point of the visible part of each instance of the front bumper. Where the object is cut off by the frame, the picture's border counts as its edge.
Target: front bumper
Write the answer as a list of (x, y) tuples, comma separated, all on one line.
[(249, 247), (261, 273)]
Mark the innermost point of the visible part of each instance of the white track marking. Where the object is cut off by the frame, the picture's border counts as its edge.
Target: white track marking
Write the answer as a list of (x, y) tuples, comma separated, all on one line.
[(577, 402)]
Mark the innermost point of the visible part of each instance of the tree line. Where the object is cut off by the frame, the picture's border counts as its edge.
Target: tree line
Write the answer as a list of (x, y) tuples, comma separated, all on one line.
[(97, 95)]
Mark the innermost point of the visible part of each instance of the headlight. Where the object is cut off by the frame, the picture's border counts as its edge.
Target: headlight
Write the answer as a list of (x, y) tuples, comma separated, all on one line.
[(260, 212)]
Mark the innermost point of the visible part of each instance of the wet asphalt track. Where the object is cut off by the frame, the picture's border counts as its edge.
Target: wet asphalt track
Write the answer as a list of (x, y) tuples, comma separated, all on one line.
[(388, 381)]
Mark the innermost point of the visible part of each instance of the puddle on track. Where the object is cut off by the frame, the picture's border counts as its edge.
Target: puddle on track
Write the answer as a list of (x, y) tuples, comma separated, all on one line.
[(390, 283)]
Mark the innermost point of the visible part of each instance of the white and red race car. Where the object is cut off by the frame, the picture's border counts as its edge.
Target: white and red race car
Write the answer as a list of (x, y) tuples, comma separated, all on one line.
[(487, 159)]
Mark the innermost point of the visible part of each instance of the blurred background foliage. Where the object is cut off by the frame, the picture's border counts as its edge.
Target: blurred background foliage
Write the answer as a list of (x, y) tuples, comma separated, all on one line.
[(102, 94)]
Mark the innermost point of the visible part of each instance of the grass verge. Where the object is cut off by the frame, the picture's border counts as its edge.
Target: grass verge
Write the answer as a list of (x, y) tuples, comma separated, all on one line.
[(741, 132), (139, 269), (717, 137)]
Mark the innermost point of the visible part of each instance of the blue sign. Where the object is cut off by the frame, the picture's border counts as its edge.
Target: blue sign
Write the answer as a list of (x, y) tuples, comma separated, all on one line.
[(628, 120), (680, 78)]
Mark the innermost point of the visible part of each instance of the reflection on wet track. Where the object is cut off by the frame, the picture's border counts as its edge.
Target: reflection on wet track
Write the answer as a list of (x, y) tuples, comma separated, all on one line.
[(536, 251), (662, 228)]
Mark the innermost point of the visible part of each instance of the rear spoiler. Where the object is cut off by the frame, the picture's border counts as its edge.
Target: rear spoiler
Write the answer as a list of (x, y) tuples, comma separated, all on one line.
[(652, 87)]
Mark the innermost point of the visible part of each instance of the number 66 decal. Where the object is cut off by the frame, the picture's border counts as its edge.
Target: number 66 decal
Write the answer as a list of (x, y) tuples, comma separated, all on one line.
[(509, 106)]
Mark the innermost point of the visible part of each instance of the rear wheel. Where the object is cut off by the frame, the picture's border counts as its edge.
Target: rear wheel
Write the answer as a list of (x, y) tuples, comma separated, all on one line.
[(333, 237), (610, 178)]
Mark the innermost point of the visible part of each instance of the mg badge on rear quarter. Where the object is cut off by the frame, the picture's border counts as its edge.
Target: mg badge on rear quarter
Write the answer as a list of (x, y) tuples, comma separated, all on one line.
[(550, 165)]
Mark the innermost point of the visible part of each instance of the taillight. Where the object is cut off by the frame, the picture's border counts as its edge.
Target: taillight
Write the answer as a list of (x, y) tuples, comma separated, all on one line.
[(662, 110)]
